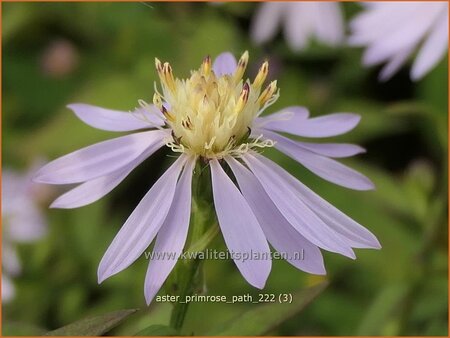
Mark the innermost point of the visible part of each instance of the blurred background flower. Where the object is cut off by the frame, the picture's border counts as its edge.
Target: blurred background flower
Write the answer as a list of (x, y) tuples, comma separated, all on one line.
[(301, 22), (23, 221), (399, 290), (392, 31)]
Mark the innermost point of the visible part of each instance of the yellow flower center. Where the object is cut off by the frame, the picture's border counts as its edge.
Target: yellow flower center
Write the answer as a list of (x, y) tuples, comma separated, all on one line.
[(210, 116)]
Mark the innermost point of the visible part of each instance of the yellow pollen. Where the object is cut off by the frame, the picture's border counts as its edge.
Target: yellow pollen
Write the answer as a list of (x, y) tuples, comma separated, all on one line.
[(211, 116)]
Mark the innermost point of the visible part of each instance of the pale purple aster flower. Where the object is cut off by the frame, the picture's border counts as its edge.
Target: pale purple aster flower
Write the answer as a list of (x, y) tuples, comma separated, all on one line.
[(214, 116), (22, 222), (393, 31), (301, 21)]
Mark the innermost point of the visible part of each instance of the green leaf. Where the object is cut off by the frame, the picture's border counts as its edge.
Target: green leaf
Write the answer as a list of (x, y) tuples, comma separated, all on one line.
[(158, 330), (93, 326), (383, 316), (264, 318)]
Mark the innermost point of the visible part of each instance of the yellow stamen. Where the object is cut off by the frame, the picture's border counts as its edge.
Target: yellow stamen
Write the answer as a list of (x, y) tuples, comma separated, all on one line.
[(243, 98), (241, 67), (267, 93), (206, 66), (262, 74)]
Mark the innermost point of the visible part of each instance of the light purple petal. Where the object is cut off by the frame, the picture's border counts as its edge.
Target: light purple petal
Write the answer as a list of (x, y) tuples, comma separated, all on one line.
[(300, 252), (266, 21), (114, 120), (172, 235), (322, 126), (322, 166), (141, 227), (356, 234), (91, 191), (297, 213), (99, 159), (224, 64), (240, 228), (433, 49), (336, 150), (295, 115)]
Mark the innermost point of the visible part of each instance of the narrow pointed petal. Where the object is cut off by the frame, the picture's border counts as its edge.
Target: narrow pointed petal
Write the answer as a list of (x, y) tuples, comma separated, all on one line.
[(322, 126), (300, 252), (433, 49), (224, 64), (322, 166), (297, 213), (141, 227), (357, 235), (295, 115), (336, 150), (408, 34), (172, 236), (240, 228), (394, 64), (114, 120), (99, 159), (91, 191)]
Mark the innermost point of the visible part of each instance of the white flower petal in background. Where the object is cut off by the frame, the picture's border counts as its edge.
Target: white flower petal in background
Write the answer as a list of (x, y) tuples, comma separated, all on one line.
[(301, 21), (393, 31), (22, 222)]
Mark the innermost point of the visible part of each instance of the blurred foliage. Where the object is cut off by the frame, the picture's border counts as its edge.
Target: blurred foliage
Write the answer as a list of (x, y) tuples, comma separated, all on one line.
[(399, 290)]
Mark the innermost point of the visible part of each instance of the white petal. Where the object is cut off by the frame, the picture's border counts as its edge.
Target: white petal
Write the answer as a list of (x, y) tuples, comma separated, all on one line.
[(91, 191), (328, 23), (298, 25), (240, 228), (432, 50), (265, 23), (408, 34), (286, 198), (99, 159), (322, 166), (172, 235), (397, 61), (300, 252), (8, 289), (114, 120), (141, 227)]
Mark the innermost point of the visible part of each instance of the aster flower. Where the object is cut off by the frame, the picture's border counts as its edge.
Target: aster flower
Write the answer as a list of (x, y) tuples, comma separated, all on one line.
[(214, 117), (301, 21), (393, 31), (23, 222)]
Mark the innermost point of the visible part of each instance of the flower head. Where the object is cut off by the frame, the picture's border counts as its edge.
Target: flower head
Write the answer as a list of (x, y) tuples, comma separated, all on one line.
[(215, 116), (210, 113), (392, 31)]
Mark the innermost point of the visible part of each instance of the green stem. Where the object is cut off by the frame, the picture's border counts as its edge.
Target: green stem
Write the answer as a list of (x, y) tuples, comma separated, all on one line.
[(187, 277)]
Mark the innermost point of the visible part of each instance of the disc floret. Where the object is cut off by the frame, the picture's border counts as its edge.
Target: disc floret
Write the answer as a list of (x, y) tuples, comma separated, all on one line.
[(210, 114)]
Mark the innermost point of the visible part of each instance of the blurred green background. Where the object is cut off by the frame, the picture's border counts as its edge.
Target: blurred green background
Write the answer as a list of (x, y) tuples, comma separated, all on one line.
[(103, 54)]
